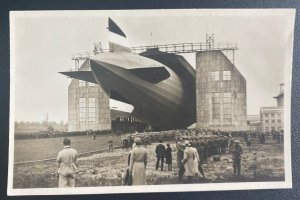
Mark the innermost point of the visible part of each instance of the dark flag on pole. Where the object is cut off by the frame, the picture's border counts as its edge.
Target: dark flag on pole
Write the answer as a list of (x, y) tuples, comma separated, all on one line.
[(117, 38), (113, 27)]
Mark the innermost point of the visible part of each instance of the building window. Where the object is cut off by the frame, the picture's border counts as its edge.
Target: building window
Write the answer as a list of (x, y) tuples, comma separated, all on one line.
[(216, 105), (227, 118), (273, 128), (226, 75), (279, 128), (267, 121), (278, 115), (273, 121), (272, 115), (279, 120), (81, 83), (227, 98), (215, 75), (82, 112), (92, 110)]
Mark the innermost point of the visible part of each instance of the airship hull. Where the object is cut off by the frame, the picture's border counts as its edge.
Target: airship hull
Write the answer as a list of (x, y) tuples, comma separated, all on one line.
[(159, 95)]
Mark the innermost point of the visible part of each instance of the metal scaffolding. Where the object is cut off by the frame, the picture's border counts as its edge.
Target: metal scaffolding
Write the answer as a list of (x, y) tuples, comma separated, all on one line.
[(179, 48)]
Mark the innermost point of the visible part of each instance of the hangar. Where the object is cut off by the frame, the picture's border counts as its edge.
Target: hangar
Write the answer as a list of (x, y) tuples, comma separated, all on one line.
[(164, 89)]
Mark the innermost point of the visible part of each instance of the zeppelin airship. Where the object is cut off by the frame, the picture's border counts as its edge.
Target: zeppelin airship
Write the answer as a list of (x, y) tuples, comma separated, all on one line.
[(160, 86)]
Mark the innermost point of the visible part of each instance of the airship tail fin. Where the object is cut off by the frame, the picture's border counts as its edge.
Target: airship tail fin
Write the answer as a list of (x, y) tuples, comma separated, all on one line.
[(81, 75), (117, 38)]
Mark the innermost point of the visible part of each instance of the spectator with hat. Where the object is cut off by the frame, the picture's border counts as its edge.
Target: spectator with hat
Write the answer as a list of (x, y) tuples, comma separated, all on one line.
[(138, 163), (169, 157), (160, 155), (236, 151), (188, 161)]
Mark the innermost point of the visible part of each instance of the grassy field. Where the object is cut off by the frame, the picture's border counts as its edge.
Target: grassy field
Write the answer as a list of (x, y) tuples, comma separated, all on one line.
[(38, 149), (260, 163)]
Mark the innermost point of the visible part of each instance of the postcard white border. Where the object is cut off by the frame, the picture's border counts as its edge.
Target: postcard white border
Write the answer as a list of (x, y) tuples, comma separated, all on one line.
[(288, 13)]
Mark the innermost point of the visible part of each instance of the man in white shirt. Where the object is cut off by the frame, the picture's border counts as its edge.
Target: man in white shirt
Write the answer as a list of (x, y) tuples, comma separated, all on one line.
[(66, 161)]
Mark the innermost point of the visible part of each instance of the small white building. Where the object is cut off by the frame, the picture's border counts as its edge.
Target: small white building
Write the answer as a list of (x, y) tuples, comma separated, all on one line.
[(272, 117)]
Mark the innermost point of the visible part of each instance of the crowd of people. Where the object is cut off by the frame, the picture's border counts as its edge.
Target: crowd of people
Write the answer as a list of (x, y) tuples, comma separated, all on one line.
[(207, 142), (193, 147)]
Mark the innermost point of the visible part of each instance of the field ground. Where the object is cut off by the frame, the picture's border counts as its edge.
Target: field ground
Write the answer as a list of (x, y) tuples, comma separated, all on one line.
[(38, 149), (260, 163)]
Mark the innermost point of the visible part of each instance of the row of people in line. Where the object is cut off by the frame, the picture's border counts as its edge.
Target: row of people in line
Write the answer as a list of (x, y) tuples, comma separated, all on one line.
[(152, 137)]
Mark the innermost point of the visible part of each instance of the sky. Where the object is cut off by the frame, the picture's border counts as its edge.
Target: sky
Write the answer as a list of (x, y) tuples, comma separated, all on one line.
[(42, 44)]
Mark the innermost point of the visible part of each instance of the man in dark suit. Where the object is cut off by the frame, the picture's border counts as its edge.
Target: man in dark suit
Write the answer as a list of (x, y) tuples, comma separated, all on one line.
[(160, 155)]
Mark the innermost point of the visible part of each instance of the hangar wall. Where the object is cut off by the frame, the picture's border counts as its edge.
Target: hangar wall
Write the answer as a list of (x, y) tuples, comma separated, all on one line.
[(220, 93), (88, 106)]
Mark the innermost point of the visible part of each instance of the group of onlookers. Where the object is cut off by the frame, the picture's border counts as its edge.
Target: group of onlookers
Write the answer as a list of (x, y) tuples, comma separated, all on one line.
[(278, 136), (191, 152), (188, 160)]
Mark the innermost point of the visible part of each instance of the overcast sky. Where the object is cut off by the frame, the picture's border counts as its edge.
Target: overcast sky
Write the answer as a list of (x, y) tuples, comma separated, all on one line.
[(42, 44)]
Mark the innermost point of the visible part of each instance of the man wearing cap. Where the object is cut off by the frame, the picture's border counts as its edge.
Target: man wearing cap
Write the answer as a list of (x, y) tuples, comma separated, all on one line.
[(236, 151), (66, 161)]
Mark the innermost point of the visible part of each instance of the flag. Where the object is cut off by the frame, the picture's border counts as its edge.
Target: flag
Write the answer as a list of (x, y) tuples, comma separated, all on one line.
[(117, 38)]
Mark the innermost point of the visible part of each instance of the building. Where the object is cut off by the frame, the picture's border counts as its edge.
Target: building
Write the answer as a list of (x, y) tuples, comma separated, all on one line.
[(162, 90), (272, 118), (220, 93), (161, 85), (88, 105)]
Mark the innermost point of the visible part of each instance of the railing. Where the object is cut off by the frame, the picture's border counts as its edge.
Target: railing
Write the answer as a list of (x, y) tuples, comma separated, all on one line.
[(185, 47), (166, 48)]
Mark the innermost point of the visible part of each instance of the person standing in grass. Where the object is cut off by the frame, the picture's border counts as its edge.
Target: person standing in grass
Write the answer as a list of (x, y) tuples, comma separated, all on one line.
[(189, 162), (160, 155), (110, 144), (180, 149), (169, 157), (138, 163), (249, 140), (236, 151), (197, 162), (67, 165)]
